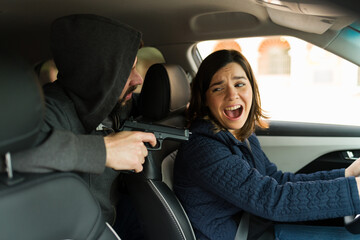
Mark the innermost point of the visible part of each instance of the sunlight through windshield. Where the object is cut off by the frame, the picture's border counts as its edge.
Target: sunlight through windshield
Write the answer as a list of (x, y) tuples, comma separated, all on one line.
[(299, 81)]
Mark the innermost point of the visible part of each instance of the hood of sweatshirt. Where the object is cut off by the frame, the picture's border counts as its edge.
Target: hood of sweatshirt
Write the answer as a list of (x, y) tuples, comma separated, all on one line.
[(94, 56)]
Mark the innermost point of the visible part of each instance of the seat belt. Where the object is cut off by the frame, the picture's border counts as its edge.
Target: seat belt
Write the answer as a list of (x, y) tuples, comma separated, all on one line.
[(243, 228)]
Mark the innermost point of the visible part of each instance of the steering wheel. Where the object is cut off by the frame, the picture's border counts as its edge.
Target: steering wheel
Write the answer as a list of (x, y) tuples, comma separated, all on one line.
[(352, 224)]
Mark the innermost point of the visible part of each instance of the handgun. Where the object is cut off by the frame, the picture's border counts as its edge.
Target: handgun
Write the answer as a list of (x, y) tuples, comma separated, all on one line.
[(152, 167), (161, 132)]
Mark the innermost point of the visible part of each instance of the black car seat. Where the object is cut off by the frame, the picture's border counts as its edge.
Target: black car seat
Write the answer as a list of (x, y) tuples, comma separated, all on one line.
[(163, 100), (38, 206)]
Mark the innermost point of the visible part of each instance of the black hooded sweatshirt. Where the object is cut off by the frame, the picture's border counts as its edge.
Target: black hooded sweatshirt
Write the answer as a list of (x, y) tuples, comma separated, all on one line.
[(94, 56)]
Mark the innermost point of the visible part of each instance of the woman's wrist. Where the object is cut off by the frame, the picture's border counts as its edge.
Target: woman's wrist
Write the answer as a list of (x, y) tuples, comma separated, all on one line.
[(348, 172)]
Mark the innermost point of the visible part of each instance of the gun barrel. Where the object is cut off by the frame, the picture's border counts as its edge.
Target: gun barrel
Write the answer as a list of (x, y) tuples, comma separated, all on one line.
[(161, 132)]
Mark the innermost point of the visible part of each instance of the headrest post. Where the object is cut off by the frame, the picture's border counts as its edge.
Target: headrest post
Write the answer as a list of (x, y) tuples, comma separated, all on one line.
[(11, 179), (8, 165)]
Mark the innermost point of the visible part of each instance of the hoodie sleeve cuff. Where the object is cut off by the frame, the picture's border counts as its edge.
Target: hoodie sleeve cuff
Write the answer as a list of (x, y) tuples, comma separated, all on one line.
[(91, 153)]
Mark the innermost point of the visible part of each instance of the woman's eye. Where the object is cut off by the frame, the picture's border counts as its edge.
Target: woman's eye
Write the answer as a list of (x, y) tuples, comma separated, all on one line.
[(216, 89), (239, 84)]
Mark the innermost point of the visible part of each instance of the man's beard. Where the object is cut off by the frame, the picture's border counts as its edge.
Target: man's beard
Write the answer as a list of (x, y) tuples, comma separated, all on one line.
[(130, 90), (120, 113), (122, 109)]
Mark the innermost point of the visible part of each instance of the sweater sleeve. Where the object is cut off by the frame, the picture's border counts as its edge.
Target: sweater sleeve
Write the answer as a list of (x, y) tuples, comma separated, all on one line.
[(291, 177), (229, 176), (283, 177)]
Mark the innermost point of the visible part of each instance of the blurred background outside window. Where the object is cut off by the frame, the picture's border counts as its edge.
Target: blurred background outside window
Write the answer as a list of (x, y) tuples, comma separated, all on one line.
[(298, 81)]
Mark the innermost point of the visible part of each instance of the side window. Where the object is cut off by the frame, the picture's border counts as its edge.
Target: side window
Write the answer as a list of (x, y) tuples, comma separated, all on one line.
[(147, 56), (274, 56), (299, 81)]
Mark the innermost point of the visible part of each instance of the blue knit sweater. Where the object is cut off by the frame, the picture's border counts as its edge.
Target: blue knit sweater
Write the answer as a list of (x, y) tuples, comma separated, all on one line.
[(216, 177)]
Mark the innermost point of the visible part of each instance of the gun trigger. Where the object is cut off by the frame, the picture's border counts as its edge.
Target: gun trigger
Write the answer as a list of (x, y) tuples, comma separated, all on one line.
[(160, 144), (157, 147)]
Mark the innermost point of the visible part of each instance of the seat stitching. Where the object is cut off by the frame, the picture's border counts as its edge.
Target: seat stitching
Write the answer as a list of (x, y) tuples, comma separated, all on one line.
[(163, 200)]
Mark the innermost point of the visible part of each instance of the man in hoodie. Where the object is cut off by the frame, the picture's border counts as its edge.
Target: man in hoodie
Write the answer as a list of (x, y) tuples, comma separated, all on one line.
[(96, 59)]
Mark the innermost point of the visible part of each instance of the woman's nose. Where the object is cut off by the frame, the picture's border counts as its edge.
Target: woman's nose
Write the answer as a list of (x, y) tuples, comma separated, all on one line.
[(232, 93)]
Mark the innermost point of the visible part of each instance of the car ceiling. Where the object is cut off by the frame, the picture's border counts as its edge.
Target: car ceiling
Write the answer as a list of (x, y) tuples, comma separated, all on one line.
[(25, 24)]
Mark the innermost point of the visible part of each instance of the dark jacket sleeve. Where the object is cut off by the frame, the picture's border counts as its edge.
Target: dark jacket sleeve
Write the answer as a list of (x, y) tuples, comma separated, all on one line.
[(62, 144), (215, 168), (63, 151)]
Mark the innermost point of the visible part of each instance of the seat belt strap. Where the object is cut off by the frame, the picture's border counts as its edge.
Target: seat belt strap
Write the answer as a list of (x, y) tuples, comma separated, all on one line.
[(243, 228)]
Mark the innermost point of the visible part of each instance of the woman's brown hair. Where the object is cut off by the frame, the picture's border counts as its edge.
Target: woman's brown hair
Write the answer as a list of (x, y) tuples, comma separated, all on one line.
[(201, 82)]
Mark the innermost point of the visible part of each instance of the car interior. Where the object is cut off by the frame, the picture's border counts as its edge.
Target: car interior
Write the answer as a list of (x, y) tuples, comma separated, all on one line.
[(44, 206), (59, 205), (163, 105)]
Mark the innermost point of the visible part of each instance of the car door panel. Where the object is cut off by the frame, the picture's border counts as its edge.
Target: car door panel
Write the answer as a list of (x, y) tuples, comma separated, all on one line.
[(308, 147)]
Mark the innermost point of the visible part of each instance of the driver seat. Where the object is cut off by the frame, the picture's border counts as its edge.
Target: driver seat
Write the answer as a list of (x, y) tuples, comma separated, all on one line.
[(163, 100)]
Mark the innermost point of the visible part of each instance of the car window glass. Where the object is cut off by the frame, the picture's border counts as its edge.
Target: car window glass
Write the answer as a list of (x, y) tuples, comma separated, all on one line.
[(298, 81)]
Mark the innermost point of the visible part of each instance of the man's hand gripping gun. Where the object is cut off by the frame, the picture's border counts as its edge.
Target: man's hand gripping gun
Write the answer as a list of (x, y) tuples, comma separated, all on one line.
[(161, 132)]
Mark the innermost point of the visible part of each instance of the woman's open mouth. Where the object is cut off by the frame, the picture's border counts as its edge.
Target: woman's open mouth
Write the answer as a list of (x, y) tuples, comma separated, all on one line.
[(233, 112)]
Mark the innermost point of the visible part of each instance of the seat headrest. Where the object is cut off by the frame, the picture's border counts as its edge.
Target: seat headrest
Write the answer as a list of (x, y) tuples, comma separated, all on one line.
[(165, 92), (21, 104)]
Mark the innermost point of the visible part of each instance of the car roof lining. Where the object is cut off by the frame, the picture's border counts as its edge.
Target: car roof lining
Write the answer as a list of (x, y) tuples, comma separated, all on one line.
[(28, 32)]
